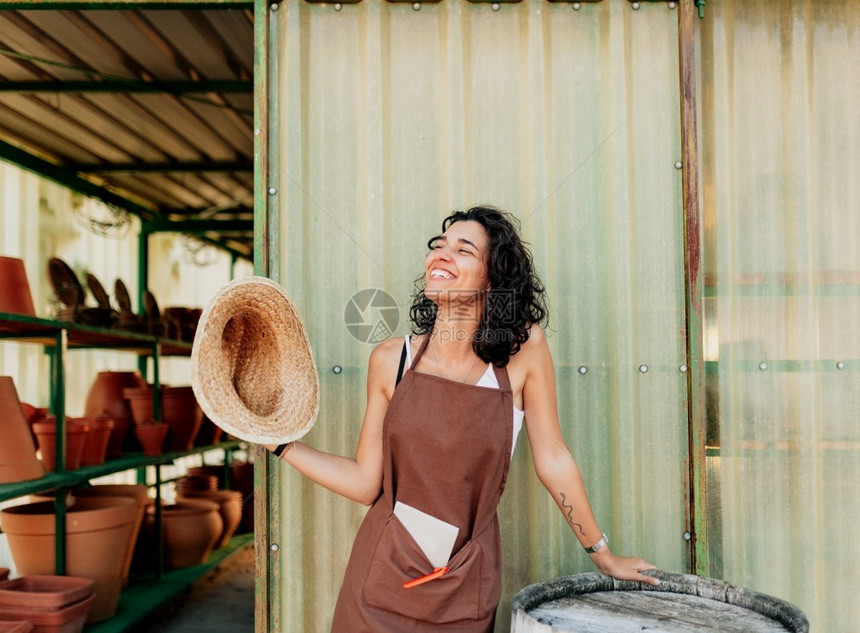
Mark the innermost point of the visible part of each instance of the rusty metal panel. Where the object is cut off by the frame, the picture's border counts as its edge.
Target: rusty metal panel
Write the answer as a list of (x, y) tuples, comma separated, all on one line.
[(389, 119), (780, 139)]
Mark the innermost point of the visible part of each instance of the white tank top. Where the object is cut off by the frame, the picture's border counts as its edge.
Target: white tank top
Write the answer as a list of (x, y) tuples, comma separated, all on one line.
[(488, 379)]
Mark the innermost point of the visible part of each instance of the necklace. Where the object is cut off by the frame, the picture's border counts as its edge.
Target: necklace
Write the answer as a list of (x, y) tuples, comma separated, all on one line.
[(439, 367)]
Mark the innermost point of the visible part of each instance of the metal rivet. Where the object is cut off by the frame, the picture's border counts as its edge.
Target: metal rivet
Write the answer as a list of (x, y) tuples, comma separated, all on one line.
[(688, 536), (582, 369), (643, 368), (275, 6), (275, 547), (416, 6), (635, 6), (678, 164), (257, 132), (272, 191), (840, 365), (576, 6), (671, 5), (496, 6), (337, 369), (683, 368), (338, 6), (762, 366)]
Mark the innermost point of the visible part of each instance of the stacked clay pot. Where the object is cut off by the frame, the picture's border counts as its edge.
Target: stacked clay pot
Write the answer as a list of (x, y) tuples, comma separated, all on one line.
[(179, 411), (76, 439), (15, 294), (17, 451), (95, 447), (98, 533), (191, 529), (229, 509), (105, 399), (48, 603)]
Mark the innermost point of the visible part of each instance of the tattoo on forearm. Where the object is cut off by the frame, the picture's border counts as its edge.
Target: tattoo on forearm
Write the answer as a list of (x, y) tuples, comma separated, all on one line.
[(569, 509)]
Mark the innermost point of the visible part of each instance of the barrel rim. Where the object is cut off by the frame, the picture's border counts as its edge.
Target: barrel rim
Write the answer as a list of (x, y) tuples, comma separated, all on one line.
[(777, 609)]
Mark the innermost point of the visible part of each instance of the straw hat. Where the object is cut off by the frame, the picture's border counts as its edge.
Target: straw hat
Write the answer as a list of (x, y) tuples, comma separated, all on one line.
[(252, 369)]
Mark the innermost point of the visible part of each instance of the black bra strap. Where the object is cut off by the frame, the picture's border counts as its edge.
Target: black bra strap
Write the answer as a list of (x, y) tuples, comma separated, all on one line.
[(402, 365)]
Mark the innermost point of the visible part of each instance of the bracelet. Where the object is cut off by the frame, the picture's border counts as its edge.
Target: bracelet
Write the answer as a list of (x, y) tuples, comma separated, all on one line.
[(288, 448), (597, 546)]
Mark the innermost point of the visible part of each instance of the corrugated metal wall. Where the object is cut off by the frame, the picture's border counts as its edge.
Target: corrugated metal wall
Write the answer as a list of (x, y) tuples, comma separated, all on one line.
[(780, 141), (389, 119)]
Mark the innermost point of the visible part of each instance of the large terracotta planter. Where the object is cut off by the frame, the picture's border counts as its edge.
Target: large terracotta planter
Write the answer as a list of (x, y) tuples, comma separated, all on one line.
[(191, 530), (229, 507), (76, 437), (15, 626), (98, 531), (17, 451), (15, 294), (95, 447), (140, 494), (105, 398)]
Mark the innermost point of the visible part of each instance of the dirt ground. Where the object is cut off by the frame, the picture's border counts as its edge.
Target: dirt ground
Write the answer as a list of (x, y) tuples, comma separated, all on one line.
[(220, 602)]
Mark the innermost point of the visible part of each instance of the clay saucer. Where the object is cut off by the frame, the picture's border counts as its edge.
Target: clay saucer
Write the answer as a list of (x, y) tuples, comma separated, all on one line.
[(123, 300), (65, 283), (98, 291)]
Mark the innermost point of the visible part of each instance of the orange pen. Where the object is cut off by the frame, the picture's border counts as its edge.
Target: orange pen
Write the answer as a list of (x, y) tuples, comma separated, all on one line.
[(438, 572)]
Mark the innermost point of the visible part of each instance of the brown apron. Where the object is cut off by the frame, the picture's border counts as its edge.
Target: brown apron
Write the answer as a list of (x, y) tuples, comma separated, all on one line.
[(446, 451)]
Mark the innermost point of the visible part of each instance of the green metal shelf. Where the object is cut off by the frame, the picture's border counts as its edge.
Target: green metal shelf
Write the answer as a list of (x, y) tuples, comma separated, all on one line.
[(73, 478), (141, 600)]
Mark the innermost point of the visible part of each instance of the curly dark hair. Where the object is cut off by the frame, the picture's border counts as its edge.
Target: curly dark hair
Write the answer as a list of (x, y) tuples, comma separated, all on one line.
[(516, 298)]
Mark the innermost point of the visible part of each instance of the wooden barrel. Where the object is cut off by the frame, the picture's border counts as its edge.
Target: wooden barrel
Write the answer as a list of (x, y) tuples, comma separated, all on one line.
[(594, 603)]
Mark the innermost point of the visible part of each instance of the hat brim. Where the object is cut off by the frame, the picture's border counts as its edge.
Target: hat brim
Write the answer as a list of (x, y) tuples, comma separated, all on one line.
[(252, 369)]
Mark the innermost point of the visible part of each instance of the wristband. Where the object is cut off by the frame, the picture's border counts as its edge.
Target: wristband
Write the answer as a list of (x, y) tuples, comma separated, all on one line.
[(597, 546), (280, 450)]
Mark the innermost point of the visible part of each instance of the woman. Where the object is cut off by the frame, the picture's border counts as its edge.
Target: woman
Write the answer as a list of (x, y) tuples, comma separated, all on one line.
[(444, 407)]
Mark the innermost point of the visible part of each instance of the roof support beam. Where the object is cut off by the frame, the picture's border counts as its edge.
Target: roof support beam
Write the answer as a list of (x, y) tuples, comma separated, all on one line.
[(165, 168), (197, 226), (131, 86), (66, 178)]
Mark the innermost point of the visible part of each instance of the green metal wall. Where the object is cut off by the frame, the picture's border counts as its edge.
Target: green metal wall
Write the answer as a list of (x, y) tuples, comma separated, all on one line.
[(386, 119)]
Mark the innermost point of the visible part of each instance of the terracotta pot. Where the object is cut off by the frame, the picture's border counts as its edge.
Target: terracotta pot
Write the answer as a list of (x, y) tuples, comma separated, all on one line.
[(76, 437), (242, 479), (18, 460), (98, 531), (34, 414), (69, 619), (229, 508), (139, 401), (140, 494), (15, 626), (191, 529), (44, 592), (151, 437), (95, 448), (180, 411), (196, 483), (209, 434), (15, 294), (217, 471), (105, 398)]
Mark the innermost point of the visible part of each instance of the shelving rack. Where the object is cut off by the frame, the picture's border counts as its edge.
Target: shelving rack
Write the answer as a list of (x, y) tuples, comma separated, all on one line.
[(58, 337)]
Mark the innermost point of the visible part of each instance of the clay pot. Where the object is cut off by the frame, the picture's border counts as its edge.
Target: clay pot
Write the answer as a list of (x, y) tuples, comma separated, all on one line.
[(242, 480), (139, 401), (15, 626), (76, 437), (151, 437), (17, 451), (180, 411), (105, 398), (196, 483), (140, 494), (98, 531), (209, 434), (95, 448), (229, 508), (217, 471), (15, 294), (44, 592), (69, 619), (191, 529)]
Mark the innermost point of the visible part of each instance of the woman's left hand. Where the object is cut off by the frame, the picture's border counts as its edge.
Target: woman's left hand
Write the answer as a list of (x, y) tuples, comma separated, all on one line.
[(623, 567)]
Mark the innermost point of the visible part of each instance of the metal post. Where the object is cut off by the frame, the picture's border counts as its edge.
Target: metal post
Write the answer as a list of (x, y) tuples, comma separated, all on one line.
[(59, 407)]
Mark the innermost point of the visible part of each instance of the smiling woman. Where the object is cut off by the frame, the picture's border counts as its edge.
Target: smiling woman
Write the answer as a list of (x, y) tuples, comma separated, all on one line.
[(437, 439)]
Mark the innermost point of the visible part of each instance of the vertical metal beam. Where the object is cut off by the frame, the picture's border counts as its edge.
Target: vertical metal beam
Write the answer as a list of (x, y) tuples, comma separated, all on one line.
[(697, 528), (266, 488), (60, 444)]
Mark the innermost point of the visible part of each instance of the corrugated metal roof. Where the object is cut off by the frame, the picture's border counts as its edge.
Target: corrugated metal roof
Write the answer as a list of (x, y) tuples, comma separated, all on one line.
[(153, 106)]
